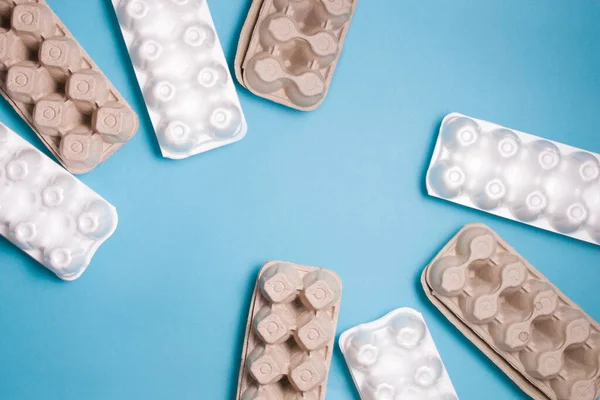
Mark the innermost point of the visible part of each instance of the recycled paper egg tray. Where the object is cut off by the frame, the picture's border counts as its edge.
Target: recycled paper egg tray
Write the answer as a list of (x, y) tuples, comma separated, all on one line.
[(395, 357), (290, 333), (517, 175), (181, 69), (289, 49), (48, 213), (540, 338), (56, 87)]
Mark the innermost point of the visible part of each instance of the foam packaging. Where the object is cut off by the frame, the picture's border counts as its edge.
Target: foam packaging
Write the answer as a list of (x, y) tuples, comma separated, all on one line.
[(181, 69), (288, 49), (395, 357), (46, 212), (518, 176), (290, 333), (56, 87), (539, 337)]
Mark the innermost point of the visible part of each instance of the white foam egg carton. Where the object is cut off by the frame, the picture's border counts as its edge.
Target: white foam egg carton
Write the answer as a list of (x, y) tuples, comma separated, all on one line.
[(518, 176), (46, 212), (395, 357), (183, 74)]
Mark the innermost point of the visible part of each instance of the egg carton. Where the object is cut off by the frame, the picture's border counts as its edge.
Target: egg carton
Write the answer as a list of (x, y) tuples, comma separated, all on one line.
[(395, 357), (183, 74), (290, 333), (288, 49), (56, 87), (539, 337), (518, 176), (46, 212)]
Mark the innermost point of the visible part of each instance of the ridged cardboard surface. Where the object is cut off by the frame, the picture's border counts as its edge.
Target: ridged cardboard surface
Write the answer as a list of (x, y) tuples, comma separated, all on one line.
[(395, 357), (56, 87), (290, 333), (518, 176), (289, 49), (181, 69), (45, 211), (527, 326)]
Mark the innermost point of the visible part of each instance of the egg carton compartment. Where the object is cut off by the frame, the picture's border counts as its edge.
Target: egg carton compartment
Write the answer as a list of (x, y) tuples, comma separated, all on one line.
[(395, 357), (183, 74), (46, 212), (518, 176), (288, 49), (290, 333), (539, 337), (56, 87)]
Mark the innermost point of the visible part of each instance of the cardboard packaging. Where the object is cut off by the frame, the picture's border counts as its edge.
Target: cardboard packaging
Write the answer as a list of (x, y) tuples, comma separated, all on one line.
[(539, 337), (288, 49), (56, 87), (290, 333)]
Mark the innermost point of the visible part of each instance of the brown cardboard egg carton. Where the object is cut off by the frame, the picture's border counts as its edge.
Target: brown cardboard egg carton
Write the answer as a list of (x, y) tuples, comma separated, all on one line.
[(288, 49), (290, 333), (56, 87), (539, 337)]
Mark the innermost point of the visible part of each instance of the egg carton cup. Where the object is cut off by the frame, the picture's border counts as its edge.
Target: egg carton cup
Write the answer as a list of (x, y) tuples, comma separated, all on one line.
[(46, 212), (290, 333), (183, 74), (56, 87), (518, 176), (395, 357), (539, 337), (288, 49)]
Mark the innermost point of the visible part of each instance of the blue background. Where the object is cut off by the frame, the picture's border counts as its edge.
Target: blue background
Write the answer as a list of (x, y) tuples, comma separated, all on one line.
[(161, 311)]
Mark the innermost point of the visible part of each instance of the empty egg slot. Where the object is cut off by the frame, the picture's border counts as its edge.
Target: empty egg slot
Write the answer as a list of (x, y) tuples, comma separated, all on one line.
[(483, 276), (545, 334), (581, 361), (514, 306)]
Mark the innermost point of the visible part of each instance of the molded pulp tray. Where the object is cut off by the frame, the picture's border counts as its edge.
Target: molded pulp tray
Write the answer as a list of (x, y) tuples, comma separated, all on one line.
[(56, 87), (180, 66), (518, 176), (289, 49), (45, 211), (395, 357), (290, 333), (540, 338)]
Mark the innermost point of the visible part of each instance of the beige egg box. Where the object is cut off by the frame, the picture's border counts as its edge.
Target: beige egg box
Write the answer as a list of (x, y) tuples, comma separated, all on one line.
[(290, 333), (540, 338), (288, 49), (56, 87)]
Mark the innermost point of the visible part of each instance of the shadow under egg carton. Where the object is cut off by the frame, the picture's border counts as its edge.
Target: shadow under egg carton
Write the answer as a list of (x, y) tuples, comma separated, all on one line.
[(56, 87), (518, 176), (290, 333), (46, 212), (183, 74), (288, 49), (539, 337), (395, 357)]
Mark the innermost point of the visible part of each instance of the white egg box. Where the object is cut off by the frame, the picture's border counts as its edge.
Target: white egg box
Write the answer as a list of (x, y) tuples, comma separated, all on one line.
[(395, 357), (516, 175), (46, 212), (182, 72)]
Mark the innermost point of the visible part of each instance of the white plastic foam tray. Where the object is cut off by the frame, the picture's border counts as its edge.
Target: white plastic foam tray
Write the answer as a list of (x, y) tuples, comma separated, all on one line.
[(518, 176), (395, 358), (45, 211), (183, 74)]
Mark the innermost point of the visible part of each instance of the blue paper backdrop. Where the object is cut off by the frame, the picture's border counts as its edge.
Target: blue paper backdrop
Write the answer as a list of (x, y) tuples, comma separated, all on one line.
[(161, 311)]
